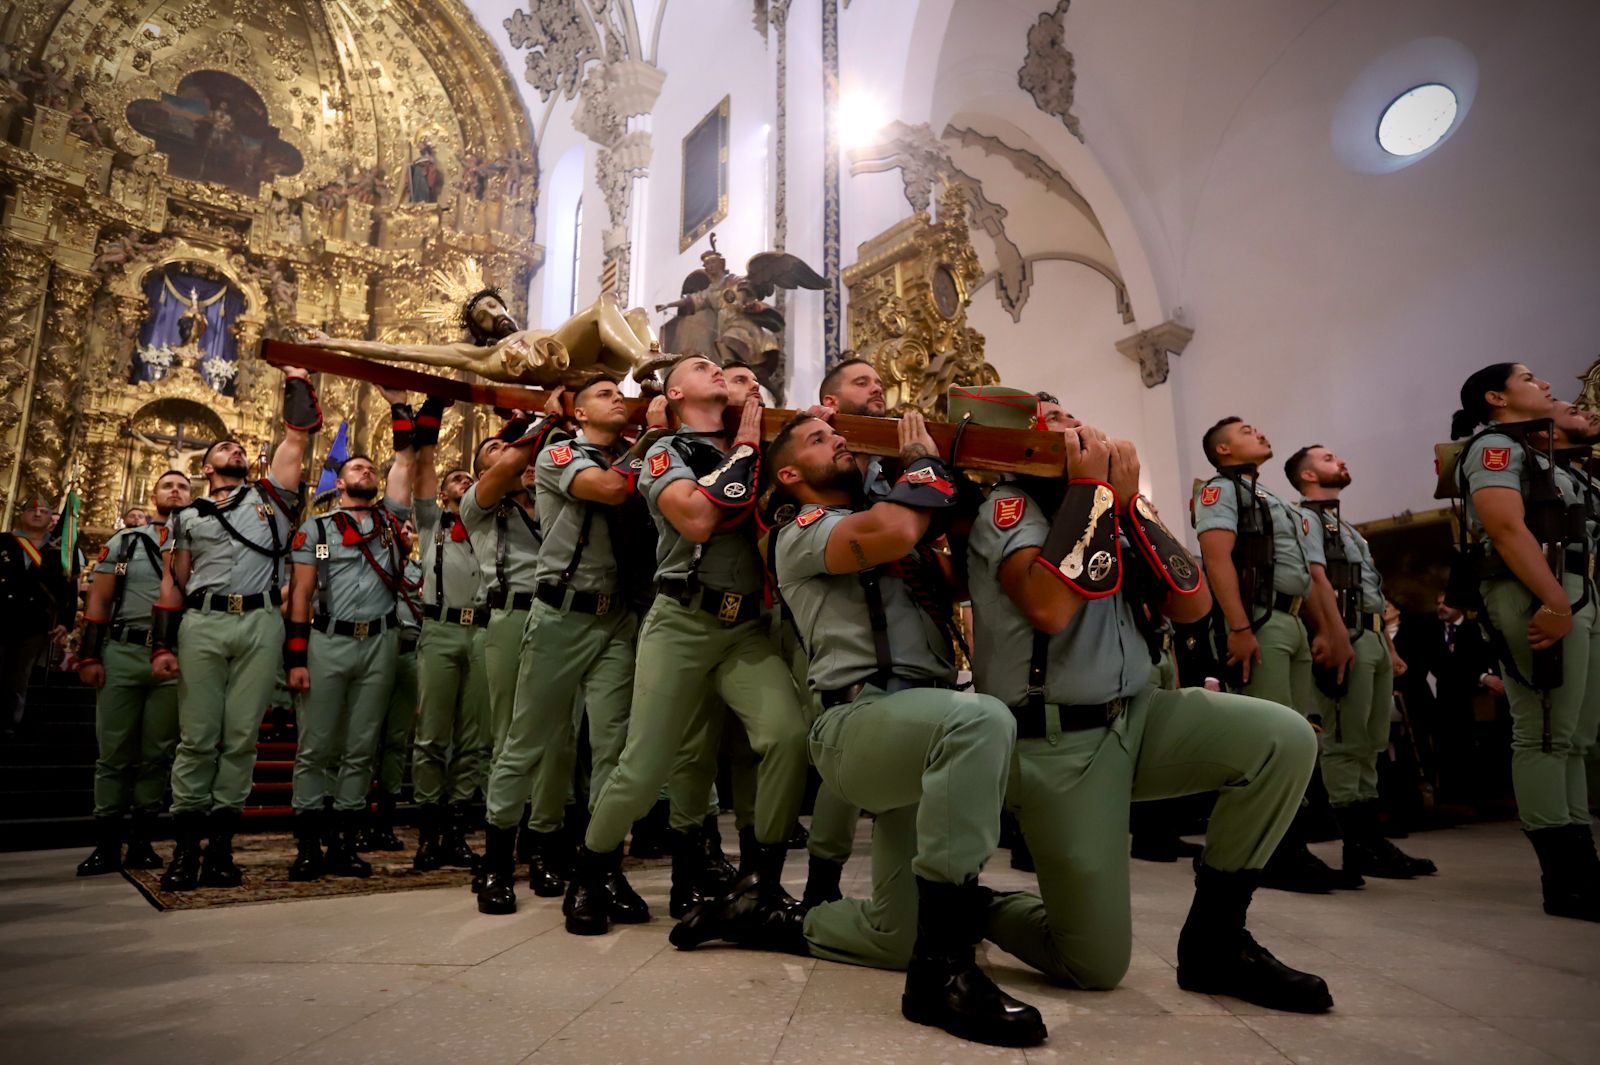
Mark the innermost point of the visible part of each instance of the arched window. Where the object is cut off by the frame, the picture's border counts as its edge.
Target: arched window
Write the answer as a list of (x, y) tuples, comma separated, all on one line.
[(577, 255)]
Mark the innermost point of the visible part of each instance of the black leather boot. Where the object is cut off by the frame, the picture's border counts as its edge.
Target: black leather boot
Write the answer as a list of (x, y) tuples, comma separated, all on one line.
[(799, 839), (377, 834), (1571, 885), (1217, 956), (1021, 855), (758, 913), (342, 859), (1293, 867), (689, 875), (587, 906), (184, 872), (944, 986), (308, 843), (140, 855), (498, 895), (457, 853), (545, 866), (330, 825), (626, 905), (822, 882), (524, 838), (650, 833), (749, 851), (716, 861), (430, 848), (1367, 851), (107, 854), (218, 868)]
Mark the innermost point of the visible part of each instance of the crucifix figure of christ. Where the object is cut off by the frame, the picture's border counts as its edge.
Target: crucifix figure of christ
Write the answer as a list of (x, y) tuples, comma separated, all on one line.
[(600, 337)]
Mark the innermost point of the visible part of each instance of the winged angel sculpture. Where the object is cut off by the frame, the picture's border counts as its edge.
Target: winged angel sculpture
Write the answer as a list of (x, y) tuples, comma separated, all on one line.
[(725, 315)]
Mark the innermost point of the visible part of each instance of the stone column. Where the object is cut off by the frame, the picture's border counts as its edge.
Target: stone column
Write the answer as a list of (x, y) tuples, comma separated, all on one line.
[(55, 386), (25, 266)]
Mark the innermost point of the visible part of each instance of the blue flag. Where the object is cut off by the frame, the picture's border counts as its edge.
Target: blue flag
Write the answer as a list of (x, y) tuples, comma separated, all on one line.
[(338, 451)]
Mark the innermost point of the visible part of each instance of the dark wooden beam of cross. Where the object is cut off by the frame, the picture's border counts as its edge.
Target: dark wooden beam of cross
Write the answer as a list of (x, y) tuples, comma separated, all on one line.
[(982, 447)]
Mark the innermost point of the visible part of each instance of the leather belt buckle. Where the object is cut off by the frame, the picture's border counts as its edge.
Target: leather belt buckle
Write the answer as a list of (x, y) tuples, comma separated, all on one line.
[(1295, 603), (728, 610), (602, 604), (361, 629), (236, 604), (466, 615), (150, 637)]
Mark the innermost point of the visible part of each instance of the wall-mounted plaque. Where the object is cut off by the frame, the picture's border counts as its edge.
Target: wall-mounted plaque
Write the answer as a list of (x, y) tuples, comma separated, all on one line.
[(705, 176)]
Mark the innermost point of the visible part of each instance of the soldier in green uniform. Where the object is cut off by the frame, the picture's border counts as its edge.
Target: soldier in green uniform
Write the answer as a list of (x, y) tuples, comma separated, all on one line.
[(394, 739), (706, 629), (1538, 592), (135, 717), (580, 636), (452, 692), (1355, 714), (1063, 640), (893, 738), (339, 654), (217, 627), (1265, 566)]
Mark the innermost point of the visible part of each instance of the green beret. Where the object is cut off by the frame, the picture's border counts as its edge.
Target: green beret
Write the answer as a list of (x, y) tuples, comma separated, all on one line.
[(994, 405)]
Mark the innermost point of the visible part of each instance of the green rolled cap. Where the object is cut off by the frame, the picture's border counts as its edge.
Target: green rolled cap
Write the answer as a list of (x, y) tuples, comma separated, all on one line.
[(995, 405)]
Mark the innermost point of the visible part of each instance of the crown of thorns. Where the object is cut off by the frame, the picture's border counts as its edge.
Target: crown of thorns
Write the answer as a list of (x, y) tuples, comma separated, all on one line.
[(465, 319)]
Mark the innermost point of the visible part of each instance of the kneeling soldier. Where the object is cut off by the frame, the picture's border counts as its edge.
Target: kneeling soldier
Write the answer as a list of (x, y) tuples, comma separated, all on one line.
[(135, 716), (1058, 642)]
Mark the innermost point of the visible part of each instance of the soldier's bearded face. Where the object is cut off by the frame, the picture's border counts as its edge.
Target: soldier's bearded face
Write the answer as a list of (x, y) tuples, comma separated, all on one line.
[(455, 485), (360, 480), (227, 460), (1578, 426), (135, 518), (1330, 468), (860, 392), (1055, 417), (740, 382), (825, 460)]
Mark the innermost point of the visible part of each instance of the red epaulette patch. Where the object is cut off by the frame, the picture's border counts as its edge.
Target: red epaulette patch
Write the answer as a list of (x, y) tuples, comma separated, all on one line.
[(1008, 510), (659, 463), (299, 540), (161, 535), (104, 551), (1210, 495), (1305, 525), (561, 455), (1496, 458), (810, 516)]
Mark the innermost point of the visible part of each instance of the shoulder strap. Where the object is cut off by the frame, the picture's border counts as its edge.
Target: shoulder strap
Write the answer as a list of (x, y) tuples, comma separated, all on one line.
[(879, 620), (324, 552), (577, 548), (119, 572)]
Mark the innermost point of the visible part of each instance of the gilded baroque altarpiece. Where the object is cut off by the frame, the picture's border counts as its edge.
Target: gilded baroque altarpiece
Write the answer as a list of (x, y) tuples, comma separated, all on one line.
[(181, 178)]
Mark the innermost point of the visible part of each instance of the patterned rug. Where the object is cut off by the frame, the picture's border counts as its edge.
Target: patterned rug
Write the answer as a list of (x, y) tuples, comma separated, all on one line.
[(265, 858)]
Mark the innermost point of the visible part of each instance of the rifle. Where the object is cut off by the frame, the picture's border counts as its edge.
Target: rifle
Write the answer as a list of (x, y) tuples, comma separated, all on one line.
[(981, 447)]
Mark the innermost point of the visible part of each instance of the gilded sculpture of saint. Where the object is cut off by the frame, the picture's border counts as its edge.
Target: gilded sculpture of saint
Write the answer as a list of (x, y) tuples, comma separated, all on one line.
[(600, 337), (724, 316)]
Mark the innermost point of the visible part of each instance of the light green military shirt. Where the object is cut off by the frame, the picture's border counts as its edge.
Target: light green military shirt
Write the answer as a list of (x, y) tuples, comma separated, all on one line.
[(519, 570), (1496, 460), (1582, 486), (729, 561), (218, 564), (830, 611), (457, 565), (354, 591), (1098, 657), (411, 619), (1355, 550), (134, 556), (1297, 543), (562, 516)]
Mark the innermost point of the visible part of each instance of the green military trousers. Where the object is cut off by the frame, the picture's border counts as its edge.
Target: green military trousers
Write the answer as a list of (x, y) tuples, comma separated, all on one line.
[(683, 655), (452, 695), (1551, 786), (563, 652), (394, 736), (1283, 675), (227, 665), (502, 649), (1355, 728), (339, 719), (930, 763), (691, 789), (136, 728), (1070, 792)]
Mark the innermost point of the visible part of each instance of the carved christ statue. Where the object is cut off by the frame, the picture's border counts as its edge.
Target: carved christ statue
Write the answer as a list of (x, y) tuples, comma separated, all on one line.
[(598, 337)]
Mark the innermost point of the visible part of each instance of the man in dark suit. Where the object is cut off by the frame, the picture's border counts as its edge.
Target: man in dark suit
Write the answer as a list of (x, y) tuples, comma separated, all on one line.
[(37, 605)]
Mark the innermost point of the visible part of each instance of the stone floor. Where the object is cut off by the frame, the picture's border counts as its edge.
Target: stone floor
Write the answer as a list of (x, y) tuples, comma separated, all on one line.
[(1461, 968)]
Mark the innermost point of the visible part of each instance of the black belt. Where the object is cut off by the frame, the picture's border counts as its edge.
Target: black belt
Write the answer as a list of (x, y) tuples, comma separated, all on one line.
[(466, 616), (730, 608), (839, 696), (1289, 604), (1578, 562), (234, 604), (1370, 622), (1033, 721), (359, 630), (408, 642), (597, 603), (518, 600), (128, 634)]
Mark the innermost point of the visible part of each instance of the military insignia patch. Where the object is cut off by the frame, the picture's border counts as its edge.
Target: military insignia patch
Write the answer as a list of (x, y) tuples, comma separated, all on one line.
[(1496, 458), (922, 476), (1305, 525), (1210, 495), (561, 455), (299, 540), (659, 463), (1008, 511), (104, 551), (810, 516), (161, 536)]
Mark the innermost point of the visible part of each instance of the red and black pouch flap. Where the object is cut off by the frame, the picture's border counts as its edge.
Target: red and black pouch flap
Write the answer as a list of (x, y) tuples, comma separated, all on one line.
[(1166, 556), (92, 647), (403, 420), (925, 484), (731, 483), (429, 417), (296, 644), (302, 411), (164, 624), (1082, 547)]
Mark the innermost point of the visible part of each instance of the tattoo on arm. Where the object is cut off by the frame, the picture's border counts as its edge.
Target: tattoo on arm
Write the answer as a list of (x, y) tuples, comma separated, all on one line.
[(860, 555), (915, 451)]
